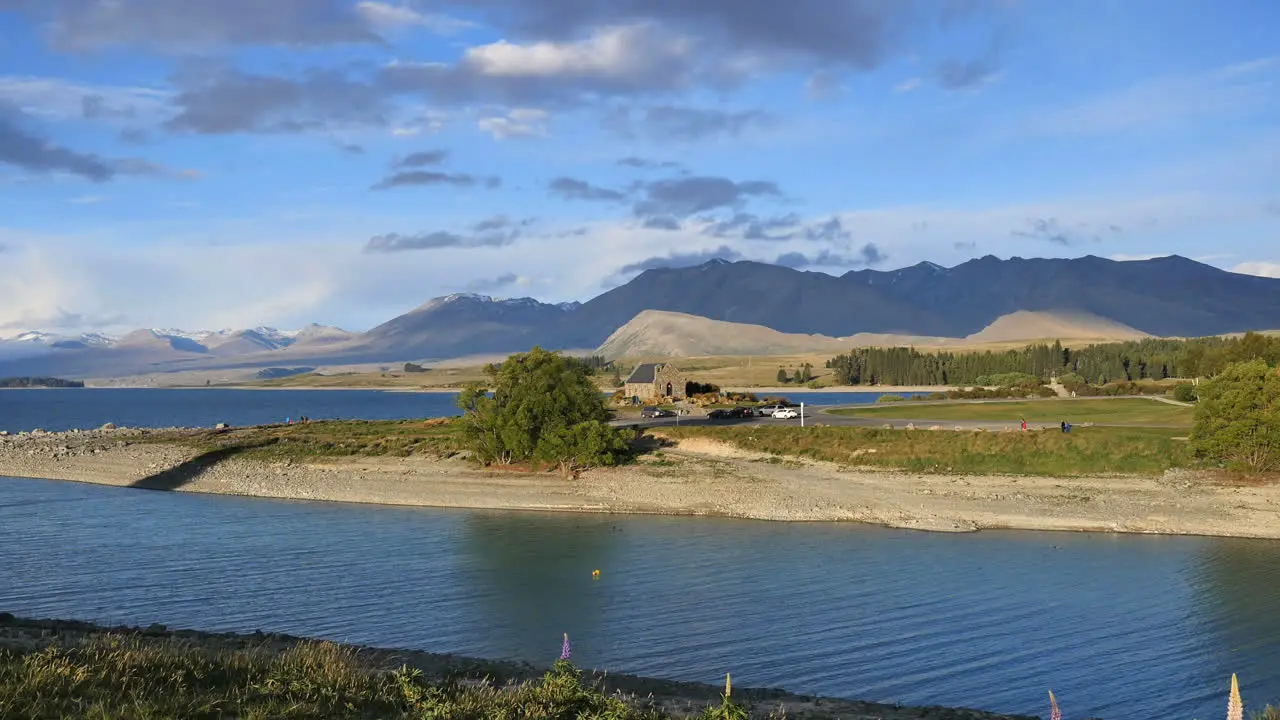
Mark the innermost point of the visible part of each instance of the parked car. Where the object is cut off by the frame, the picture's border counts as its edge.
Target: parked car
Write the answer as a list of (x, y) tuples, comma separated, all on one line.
[(719, 414), (769, 410), (742, 412), (785, 414), (655, 412)]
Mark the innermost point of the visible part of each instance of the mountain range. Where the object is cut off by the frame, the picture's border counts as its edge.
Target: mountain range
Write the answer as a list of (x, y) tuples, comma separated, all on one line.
[(1169, 297)]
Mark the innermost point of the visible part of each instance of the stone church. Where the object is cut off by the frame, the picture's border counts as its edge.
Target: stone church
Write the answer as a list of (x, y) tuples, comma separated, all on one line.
[(650, 382)]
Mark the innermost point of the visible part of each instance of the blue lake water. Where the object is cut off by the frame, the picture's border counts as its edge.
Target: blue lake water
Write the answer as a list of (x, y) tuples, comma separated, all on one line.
[(69, 409), (1119, 627)]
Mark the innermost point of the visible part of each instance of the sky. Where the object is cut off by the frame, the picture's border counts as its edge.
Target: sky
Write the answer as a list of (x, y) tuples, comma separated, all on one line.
[(214, 164)]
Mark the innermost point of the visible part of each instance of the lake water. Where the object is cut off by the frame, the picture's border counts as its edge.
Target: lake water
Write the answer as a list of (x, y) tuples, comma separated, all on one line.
[(1119, 627), (55, 410)]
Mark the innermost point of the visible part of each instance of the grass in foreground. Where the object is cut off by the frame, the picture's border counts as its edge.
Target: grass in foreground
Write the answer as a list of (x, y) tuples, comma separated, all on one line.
[(1127, 411), (1085, 451), (118, 677), (329, 439)]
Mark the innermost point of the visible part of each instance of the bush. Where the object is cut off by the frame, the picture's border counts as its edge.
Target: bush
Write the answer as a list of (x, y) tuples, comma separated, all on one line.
[(1237, 420), (1184, 392), (540, 401), (1009, 380), (890, 399), (585, 445), (413, 368)]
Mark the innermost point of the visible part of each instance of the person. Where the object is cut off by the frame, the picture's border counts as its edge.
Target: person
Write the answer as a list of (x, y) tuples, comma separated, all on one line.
[(1064, 426), (1024, 423)]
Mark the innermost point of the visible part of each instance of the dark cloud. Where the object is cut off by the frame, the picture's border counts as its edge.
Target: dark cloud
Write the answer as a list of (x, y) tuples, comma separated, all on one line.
[(856, 34), (24, 149), (871, 255), (215, 100), (196, 25), (647, 164), (823, 85), (669, 122), (681, 260), (1047, 229), (573, 189), (497, 222), (439, 240), (504, 280), (868, 255), (426, 157), (829, 231), (661, 222), (682, 197), (427, 177), (751, 227)]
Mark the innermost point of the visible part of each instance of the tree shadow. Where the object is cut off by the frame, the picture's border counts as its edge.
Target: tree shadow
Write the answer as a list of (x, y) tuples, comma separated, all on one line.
[(186, 472)]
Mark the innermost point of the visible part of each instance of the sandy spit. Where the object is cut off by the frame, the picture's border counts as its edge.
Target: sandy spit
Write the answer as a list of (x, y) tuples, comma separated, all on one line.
[(698, 477)]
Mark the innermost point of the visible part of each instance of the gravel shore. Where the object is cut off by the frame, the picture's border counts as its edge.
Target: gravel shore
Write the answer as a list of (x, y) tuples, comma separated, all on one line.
[(698, 477), (676, 698)]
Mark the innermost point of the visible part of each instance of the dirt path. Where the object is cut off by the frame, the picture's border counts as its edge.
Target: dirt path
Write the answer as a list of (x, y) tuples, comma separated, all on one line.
[(699, 477)]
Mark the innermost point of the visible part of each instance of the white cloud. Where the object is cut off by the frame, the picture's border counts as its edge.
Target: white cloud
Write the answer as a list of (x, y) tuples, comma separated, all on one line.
[(388, 16), (628, 52), (1122, 257), (519, 122), (88, 199), (907, 85), (1261, 268)]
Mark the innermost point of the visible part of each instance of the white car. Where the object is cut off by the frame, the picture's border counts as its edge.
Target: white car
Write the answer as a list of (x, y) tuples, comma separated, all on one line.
[(785, 414)]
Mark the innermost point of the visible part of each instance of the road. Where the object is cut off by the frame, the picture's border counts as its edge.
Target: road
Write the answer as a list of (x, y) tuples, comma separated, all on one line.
[(815, 416)]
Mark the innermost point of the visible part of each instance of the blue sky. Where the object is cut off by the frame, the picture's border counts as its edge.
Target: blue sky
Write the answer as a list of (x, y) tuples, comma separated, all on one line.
[(230, 163)]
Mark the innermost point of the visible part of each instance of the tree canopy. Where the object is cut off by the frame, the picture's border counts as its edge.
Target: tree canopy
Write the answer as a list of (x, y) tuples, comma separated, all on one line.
[(1237, 421), (543, 407)]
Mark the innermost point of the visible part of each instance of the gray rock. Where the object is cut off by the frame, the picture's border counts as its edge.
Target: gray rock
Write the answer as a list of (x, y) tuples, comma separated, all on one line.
[(221, 426), (109, 426)]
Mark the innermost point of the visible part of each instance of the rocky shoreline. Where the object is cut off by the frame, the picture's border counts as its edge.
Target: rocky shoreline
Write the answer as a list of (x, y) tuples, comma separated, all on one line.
[(678, 698), (696, 477)]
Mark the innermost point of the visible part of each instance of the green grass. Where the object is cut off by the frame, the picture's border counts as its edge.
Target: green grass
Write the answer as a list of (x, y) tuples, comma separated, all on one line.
[(330, 439), (1085, 451), (1125, 411), (128, 677)]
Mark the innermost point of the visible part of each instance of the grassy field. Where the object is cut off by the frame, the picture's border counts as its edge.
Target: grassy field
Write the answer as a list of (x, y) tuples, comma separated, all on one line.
[(1123, 411), (331, 439), (138, 677), (1085, 451)]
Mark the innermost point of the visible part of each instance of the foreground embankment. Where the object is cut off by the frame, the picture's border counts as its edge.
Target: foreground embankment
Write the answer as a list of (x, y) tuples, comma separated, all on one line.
[(55, 668), (691, 475)]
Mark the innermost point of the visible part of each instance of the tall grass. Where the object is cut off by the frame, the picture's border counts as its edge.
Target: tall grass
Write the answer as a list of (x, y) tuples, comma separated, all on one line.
[(329, 439), (1084, 451), (119, 677)]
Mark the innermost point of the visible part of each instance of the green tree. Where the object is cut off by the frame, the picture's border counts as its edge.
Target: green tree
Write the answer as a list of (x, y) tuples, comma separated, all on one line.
[(1184, 392), (616, 378), (1237, 420), (782, 376), (544, 407)]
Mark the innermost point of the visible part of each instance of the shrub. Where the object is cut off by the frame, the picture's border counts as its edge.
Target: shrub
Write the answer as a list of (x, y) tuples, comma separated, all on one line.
[(890, 399), (413, 368), (1237, 419), (1009, 380), (782, 376), (540, 400), (585, 445), (1184, 392)]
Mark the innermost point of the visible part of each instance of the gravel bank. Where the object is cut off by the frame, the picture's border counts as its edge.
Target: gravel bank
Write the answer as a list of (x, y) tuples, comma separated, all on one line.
[(699, 477)]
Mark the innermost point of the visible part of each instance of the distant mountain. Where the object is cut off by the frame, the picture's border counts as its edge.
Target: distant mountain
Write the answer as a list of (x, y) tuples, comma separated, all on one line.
[(656, 333), (1170, 296)]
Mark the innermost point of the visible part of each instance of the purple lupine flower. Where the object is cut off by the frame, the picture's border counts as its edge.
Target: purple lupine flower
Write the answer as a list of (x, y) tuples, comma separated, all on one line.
[(564, 651)]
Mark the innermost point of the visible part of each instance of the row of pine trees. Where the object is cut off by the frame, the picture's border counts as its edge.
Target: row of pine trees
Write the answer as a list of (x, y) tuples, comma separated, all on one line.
[(1153, 359)]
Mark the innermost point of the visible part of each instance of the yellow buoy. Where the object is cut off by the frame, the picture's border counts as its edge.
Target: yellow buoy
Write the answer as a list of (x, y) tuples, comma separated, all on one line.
[(595, 573)]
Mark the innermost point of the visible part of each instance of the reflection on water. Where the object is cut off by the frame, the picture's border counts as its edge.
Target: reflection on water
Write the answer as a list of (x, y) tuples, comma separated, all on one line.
[(1117, 626)]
